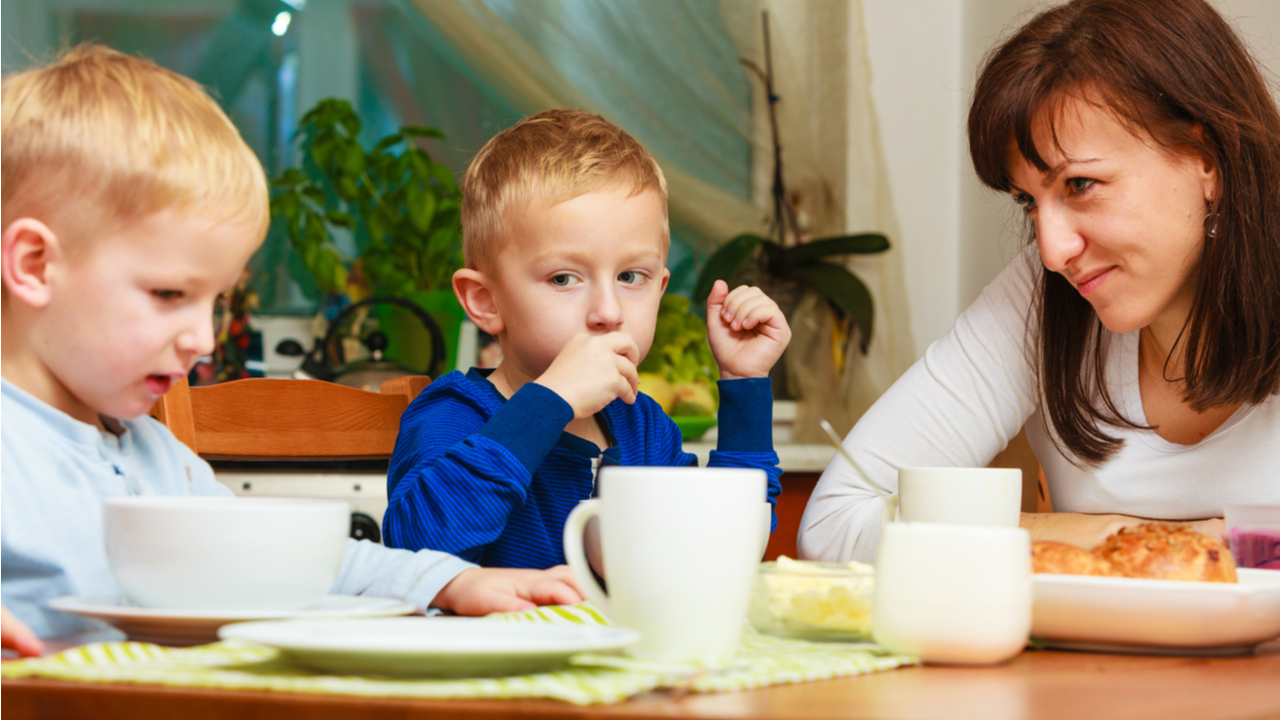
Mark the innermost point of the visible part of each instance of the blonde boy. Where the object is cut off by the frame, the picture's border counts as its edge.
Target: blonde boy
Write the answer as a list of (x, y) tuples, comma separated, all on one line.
[(130, 203), (564, 220)]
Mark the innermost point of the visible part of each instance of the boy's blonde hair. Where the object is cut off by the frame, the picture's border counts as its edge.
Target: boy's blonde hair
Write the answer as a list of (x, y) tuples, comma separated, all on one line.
[(126, 137), (551, 157)]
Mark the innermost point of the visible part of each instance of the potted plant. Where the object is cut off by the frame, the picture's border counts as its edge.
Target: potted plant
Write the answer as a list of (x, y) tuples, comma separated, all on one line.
[(401, 208), (787, 264)]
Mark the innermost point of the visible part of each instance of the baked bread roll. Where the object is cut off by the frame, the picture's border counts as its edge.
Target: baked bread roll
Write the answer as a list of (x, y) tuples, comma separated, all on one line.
[(1168, 552), (1057, 558)]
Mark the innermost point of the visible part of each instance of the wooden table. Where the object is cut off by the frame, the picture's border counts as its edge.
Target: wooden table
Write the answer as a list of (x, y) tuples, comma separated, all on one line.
[(1038, 685)]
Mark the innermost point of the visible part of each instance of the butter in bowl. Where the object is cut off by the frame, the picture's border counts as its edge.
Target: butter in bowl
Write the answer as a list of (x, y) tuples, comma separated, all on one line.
[(813, 600)]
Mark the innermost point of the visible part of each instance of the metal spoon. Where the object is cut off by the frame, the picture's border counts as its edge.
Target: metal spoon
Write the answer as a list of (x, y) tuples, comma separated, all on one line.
[(835, 440)]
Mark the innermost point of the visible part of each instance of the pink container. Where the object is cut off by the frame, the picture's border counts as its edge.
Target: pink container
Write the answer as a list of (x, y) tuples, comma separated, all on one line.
[(1255, 535)]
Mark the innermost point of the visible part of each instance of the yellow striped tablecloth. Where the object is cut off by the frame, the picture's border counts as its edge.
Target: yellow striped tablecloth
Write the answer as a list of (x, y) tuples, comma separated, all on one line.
[(589, 678)]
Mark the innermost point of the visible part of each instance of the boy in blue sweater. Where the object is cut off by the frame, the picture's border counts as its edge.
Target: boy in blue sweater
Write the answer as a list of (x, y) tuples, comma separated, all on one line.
[(130, 203), (564, 221)]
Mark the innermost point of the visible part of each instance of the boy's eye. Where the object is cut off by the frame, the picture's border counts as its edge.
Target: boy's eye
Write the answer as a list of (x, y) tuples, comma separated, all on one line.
[(631, 277), (167, 295), (563, 280), (1078, 185)]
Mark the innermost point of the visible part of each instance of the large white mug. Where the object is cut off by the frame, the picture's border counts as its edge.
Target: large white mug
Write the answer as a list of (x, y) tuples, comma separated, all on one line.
[(953, 594), (681, 546), (956, 496), (595, 555)]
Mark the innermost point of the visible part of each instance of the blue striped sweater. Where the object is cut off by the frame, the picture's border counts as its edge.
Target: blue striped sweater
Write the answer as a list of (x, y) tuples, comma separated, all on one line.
[(492, 480)]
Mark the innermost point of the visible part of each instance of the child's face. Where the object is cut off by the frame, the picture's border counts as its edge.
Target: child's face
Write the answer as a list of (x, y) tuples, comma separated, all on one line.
[(130, 313), (594, 264)]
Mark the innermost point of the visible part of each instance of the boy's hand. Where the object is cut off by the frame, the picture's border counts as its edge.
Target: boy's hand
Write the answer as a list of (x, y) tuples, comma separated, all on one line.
[(16, 636), (594, 370), (746, 330), (480, 591)]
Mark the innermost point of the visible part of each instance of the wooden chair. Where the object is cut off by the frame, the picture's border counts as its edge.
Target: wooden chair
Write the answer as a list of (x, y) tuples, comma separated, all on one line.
[(276, 419), (1044, 503)]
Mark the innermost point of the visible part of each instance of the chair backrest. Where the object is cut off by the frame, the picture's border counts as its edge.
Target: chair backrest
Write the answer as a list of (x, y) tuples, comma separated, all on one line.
[(267, 418)]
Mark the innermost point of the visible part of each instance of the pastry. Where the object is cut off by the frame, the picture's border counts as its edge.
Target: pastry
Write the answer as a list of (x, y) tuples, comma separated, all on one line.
[(1062, 559), (1168, 552)]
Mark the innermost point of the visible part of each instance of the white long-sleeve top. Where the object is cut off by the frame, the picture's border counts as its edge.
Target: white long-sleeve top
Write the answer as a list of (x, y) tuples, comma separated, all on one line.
[(972, 392)]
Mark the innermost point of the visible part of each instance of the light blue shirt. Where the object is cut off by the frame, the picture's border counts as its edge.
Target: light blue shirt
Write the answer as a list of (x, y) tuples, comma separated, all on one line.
[(55, 472)]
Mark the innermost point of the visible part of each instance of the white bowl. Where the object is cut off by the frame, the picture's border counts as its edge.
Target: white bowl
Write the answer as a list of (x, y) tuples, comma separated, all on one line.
[(201, 553)]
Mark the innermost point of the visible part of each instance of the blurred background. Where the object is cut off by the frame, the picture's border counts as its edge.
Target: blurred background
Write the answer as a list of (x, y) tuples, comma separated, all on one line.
[(871, 100)]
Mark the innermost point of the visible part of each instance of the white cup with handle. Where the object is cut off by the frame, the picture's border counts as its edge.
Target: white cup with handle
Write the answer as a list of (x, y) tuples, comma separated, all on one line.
[(953, 594), (956, 496), (682, 546)]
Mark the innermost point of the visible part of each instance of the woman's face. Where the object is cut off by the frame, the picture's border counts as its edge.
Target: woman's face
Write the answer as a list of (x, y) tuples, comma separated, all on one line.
[(1116, 215)]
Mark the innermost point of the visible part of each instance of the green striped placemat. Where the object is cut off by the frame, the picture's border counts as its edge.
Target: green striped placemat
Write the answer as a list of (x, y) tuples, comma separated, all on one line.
[(590, 678)]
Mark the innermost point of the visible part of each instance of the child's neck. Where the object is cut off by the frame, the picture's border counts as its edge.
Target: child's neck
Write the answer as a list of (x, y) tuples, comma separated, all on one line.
[(508, 379), (22, 367)]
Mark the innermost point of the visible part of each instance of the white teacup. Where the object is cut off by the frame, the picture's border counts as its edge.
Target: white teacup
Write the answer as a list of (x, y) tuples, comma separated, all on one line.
[(681, 546), (203, 553), (956, 496), (953, 594)]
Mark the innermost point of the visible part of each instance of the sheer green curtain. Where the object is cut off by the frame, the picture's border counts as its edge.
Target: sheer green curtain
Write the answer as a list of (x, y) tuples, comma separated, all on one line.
[(667, 71)]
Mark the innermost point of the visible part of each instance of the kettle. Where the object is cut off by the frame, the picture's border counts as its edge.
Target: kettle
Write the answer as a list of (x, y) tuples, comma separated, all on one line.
[(326, 361)]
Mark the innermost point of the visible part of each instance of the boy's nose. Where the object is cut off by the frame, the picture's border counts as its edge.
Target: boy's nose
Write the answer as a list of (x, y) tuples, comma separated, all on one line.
[(606, 311), (197, 340), (1058, 239)]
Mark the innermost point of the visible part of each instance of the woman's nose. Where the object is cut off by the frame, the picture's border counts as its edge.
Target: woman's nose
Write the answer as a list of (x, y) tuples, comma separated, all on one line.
[(1058, 239)]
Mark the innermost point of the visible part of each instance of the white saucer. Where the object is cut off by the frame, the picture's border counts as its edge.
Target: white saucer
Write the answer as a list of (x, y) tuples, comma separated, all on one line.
[(196, 627), (440, 647)]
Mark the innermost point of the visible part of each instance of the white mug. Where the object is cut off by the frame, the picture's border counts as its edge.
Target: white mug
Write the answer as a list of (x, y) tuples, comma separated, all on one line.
[(956, 496), (681, 546), (953, 594), (595, 555)]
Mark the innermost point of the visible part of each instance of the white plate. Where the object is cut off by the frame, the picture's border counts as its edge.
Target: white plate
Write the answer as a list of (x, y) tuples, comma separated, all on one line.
[(442, 647), (1156, 616), (196, 627)]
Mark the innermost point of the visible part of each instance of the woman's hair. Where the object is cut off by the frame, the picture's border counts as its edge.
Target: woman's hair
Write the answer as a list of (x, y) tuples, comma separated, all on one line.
[(1174, 70)]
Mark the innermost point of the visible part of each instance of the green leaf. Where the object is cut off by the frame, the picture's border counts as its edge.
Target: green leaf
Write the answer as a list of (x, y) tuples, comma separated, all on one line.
[(350, 120), (346, 187), (421, 206), (846, 291), (352, 158), (341, 219), (377, 225), (864, 244), (420, 131), (387, 142), (445, 176), (725, 262), (289, 178)]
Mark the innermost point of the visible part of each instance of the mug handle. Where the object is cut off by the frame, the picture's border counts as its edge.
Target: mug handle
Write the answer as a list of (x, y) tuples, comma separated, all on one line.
[(575, 526), (890, 512)]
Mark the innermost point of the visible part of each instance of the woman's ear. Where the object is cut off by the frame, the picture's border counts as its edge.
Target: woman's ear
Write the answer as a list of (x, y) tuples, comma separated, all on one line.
[(1205, 169), (472, 289), (27, 248)]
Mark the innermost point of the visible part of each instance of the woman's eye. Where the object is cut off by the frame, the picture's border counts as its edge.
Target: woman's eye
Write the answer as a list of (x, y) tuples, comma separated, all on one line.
[(564, 280), (1079, 185), (631, 277), (167, 295), (1024, 200)]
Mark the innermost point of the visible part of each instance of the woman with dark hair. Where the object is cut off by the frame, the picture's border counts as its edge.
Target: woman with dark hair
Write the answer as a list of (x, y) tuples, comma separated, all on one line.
[(1138, 336)]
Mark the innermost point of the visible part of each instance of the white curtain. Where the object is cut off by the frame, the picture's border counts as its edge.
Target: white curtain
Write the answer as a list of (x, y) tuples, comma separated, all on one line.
[(646, 64)]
